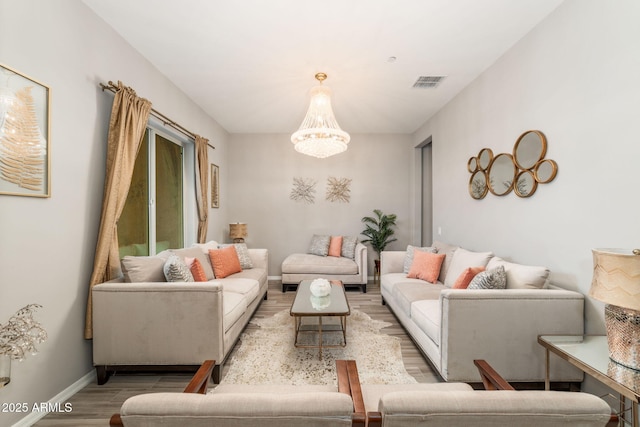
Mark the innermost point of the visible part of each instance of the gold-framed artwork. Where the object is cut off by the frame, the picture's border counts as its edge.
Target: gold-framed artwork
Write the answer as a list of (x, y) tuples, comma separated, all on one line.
[(215, 186), (25, 145)]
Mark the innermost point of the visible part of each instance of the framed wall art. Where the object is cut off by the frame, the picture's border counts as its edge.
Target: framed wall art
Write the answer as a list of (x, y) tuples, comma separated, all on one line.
[(215, 186), (25, 146)]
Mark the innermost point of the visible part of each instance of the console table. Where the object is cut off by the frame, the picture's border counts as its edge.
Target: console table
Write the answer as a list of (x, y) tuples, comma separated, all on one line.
[(590, 353)]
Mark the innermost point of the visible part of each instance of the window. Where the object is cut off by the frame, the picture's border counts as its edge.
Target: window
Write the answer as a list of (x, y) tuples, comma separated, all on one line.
[(158, 213)]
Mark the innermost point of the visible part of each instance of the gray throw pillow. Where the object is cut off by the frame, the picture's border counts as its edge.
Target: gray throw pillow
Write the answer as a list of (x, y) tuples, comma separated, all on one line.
[(349, 246), (175, 270), (319, 245), (408, 257), (495, 278), (243, 254)]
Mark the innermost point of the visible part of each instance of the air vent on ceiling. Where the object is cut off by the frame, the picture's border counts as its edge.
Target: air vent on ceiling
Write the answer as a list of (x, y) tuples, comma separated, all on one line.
[(424, 82)]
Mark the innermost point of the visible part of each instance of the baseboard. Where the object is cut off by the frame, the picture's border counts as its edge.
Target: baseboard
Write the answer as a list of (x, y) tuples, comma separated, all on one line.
[(274, 277), (60, 399)]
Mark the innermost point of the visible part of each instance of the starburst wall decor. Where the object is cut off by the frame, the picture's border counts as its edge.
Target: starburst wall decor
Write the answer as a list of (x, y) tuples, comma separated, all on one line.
[(338, 189), (303, 190)]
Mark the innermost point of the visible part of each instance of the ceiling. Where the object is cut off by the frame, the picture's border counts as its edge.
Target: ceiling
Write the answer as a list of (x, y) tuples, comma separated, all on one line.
[(250, 64)]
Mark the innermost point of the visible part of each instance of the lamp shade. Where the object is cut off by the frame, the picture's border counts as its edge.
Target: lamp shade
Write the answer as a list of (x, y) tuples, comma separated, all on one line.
[(616, 277), (238, 230)]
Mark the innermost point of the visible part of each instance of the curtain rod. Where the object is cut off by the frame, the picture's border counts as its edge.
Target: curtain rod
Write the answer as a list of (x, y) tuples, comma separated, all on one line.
[(164, 119)]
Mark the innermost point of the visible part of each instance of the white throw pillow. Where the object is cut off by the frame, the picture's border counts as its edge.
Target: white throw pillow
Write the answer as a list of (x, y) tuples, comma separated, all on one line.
[(463, 259), (521, 276)]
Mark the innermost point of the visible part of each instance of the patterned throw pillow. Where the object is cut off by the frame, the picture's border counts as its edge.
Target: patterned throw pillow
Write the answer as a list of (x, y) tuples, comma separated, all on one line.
[(495, 278), (243, 254), (319, 245), (466, 277), (408, 258), (349, 247), (225, 261), (175, 270), (426, 266), (335, 246)]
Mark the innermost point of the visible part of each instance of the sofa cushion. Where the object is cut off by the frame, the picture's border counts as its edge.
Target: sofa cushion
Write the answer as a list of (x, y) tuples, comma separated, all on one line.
[(224, 261), (448, 251), (462, 259), (196, 252), (408, 257), (521, 276), (259, 274), (313, 264), (388, 281), (407, 293), (144, 268), (176, 270), (426, 266), (319, 245), (495, 278), (234, 305), (335, 246), (249, 288), (465, 278), (349, 247), (427, 316)]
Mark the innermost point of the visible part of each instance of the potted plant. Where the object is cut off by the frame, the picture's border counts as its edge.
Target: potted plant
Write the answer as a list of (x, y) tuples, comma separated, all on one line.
[(18, 338), (379, 233)]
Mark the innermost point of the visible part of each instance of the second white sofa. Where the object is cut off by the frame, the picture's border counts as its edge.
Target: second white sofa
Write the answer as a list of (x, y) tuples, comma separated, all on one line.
[(452, 327)]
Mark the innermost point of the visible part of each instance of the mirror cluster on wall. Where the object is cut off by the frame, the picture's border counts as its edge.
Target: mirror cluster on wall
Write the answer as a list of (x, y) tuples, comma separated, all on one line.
[(520, 171)]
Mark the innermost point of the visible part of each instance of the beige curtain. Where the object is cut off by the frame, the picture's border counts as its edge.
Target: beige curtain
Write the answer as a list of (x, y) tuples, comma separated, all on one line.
[(129, 117), (202, 186)]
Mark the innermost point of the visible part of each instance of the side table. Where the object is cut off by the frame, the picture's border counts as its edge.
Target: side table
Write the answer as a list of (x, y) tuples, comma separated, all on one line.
[(590, 354)]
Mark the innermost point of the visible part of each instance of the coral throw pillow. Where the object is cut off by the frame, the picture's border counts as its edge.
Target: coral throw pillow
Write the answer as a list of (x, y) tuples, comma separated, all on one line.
[(335, 246), (466, 277), (197, 271), (225, 261), (426, 266)]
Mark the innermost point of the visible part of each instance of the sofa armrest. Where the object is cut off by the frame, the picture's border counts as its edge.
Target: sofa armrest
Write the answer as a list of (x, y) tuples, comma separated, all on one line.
[(503, 326), (361, 260), (392, 261), (157, 323), (259, 258)]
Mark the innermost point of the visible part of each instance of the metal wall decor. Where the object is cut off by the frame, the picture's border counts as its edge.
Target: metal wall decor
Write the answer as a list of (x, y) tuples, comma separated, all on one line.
[(520, 171), (25, 164), (338, 189), (303, 190)]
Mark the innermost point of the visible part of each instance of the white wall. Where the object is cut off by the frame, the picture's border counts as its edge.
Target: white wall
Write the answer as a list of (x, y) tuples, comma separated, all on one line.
[(47, 245), (575, 78), (261, 180)]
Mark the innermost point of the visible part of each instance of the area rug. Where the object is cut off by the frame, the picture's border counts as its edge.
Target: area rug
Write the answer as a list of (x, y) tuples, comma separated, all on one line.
[(267, 355)]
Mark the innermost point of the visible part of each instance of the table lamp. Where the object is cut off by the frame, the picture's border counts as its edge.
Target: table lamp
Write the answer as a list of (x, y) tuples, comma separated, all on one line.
[(616, 282), (238, 232)]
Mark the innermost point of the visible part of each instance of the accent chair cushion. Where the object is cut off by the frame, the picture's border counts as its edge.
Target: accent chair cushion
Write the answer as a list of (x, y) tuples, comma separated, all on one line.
[(225, 261), (465, 278), (495, 278), (408, 258), (426, 266), (335, 246), (463, 259)]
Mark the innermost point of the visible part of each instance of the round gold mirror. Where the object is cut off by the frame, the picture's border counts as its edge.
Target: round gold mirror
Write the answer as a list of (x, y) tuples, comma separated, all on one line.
[(484, 158), (545, 171), (478, 185), (502, 172), (472, 164), (526, 184), (530, 148)]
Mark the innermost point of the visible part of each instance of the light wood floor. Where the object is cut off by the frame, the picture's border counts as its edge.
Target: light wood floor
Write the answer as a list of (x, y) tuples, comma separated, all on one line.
[(94, 405)]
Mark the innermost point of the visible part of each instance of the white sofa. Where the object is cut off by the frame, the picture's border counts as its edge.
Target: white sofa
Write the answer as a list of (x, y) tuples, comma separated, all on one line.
[(452, 327), (157, 325), (302, 266)]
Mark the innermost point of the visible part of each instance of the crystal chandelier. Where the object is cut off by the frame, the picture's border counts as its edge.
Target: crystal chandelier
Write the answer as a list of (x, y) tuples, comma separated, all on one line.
[(319, 134)]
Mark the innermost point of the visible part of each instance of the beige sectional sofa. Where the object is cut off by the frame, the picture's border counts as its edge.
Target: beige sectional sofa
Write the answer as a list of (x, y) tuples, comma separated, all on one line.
[(452, 327), (148, 323), (301, 266)]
